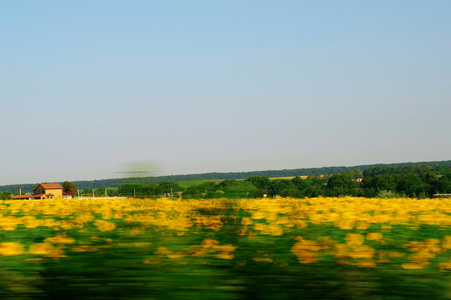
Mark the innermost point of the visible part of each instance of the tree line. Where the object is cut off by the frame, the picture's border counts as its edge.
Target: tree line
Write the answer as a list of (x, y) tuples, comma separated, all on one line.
[(409, 180), (421, 181), (117, 182)]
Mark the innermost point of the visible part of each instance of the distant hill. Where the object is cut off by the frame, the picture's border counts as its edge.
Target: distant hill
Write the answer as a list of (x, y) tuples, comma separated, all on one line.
[(116, 182)]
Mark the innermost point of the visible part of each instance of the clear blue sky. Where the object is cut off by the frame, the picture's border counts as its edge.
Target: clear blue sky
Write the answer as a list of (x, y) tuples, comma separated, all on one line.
[(89, 88)]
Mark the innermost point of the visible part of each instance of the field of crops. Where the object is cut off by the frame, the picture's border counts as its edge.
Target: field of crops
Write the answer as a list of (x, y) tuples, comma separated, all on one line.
[(316, 248)]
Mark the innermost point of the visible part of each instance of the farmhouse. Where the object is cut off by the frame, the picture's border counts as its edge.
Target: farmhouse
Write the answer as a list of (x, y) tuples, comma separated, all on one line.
[(43, 191)]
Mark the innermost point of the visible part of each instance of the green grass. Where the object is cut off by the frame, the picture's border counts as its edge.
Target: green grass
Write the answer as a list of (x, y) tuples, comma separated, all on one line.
[(187, 184), (190, 183)]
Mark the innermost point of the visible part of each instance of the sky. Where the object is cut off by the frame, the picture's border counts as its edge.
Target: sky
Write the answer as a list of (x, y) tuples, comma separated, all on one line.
[(102, 89)]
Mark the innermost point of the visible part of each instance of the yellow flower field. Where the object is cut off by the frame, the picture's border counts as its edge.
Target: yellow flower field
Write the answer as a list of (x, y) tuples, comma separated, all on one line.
[(226, 249)]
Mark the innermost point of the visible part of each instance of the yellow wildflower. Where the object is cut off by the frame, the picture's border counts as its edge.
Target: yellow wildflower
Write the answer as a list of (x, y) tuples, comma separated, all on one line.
[(260, 259), (413, 266), (41, 249), (105, 225), (374, 236), (354, 239), (258, 215), (362, 225), (209, 243), (225, 255), (446, 242), (60, 239), (345, 225), (362, 251), (11, 248), (225, 248), (366, 264), (246, 221), (445, 266)]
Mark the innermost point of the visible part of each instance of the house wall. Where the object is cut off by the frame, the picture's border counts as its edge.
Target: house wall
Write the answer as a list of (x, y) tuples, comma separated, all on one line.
[(57, 193)]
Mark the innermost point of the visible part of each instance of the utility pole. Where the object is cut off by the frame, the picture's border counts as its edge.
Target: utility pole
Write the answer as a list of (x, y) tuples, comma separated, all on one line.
[(134, 193), (106, 195)]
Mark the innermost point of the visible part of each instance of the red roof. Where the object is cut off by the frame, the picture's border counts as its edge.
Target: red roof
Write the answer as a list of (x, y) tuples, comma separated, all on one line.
[(21, 196), (26, 196), (51, 186)]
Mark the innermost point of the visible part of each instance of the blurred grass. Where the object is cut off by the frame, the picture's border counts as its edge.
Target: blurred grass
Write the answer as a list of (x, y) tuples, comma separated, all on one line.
[(153, 254)]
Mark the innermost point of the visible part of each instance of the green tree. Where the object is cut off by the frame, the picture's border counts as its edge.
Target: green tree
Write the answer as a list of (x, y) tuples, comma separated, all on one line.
[(170, 186), (353, 174), (232, 185), (340, 181), (260, 182), (279, 187), (5, 195), (411, 185), (70, 188), (384, 182), (203, 190), (300, 183), (340, 184), (442, 185)]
